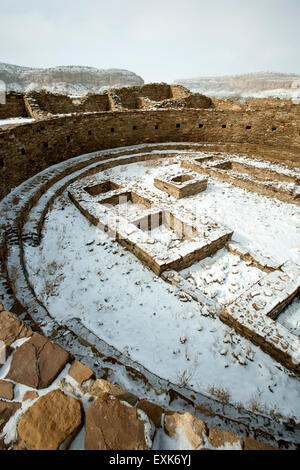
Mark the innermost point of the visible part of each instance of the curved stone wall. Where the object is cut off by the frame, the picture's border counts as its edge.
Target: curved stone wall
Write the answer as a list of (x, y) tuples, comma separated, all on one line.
[(30, 148), (23, 224), (44, 157)]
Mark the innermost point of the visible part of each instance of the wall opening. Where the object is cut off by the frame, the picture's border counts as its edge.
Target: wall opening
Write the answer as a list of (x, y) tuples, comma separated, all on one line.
[(68, 138), (23, 151), (134, 128), (177, 126), (200, 126), (112, 129), (248, 127), (156, 127), (274, 128), (182, 178), (89, 132), (224, 126), (46, 145), (1, 163)]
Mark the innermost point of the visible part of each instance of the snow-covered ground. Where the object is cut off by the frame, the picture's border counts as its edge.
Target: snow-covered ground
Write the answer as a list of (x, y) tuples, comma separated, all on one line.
[(17, 120), (223, 275), (78, 271), (282, 93), (290, 318)]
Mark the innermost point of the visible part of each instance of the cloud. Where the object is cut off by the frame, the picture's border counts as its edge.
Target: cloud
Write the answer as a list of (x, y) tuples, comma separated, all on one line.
[(160, 40)]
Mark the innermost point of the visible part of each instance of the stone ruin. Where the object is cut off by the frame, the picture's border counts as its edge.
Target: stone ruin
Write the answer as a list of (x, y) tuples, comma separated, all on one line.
[(67, 147)]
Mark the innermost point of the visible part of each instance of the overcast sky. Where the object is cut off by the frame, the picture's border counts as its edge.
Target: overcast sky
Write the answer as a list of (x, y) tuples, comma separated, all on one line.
[(161, 40)]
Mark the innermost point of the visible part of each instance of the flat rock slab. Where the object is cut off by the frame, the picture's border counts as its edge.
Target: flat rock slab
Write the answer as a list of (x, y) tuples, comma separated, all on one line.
[(7, 410), (37, 362), (152, 410), (6, 390), (185, 423), (219, 438), (252, 444), (11, 328), (50, 421), (113, 425), (30, 395), (5, 352), (100, 387), (80, 372)]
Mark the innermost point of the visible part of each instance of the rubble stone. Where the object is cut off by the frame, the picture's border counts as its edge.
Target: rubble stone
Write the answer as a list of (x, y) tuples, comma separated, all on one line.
[(50, 421), (6, 390), (219, 438), (80, 372), (113, 425), (193, 428), (37, 362)]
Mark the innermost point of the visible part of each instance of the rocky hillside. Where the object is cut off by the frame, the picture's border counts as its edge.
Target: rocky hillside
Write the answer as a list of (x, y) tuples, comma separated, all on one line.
[(256, 85), (71, 80)]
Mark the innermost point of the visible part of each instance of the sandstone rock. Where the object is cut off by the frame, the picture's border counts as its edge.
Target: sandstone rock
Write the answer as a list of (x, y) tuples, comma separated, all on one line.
[(193, 428), (6, 390), (113, 425), (5, 352), (7, 410), (37, 362), (30, 395), (2, 445), (100, 387), (11, 328), (50, 421), (80, 372), (19, 446), (251, 444), (152, 410), (219, 438)]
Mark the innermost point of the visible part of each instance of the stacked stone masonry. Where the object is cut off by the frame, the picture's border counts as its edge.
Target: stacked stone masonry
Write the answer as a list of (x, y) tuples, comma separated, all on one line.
[(114, 419), (148, 115), (28, 149)]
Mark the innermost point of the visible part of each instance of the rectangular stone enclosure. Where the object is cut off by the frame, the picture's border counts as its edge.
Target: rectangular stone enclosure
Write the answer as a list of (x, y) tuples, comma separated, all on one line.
[(182, 185)]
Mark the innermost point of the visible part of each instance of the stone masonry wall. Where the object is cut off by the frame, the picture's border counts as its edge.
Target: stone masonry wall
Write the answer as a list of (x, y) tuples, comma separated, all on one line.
[(130, 97), (49, 103), (28, 149), (40, 104), (51, 413), (14, 106)]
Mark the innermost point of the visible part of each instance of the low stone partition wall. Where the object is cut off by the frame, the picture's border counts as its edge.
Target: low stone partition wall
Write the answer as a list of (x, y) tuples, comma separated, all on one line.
[(41, 105), (280, 182), (197, 238), (59, 396), (33, 193), (253, 315), (154, 92), (183, 185)]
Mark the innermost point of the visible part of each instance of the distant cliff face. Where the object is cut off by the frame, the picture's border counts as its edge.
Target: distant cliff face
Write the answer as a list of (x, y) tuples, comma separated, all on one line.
[(67, 80), (256, 85)]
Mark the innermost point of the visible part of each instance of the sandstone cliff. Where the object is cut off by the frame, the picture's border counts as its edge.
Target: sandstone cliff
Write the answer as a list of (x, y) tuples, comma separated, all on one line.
[(66, 80), (256, 85)]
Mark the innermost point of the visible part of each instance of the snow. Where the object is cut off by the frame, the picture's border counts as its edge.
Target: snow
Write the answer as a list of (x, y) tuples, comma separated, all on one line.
[(129, 307), (282, 93), (16, 120), (252, 85), (290, 318), (223, 276), (26, 79)]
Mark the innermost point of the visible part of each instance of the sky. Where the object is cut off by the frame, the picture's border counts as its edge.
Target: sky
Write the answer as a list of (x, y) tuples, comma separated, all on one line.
[(160, 40)]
